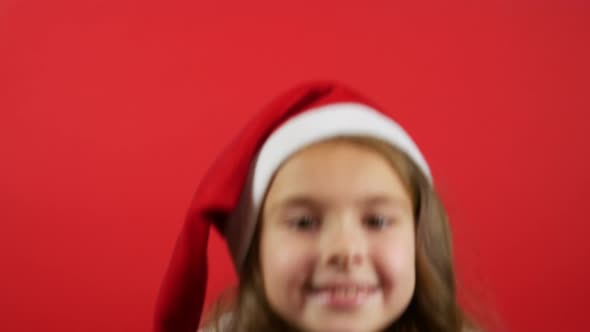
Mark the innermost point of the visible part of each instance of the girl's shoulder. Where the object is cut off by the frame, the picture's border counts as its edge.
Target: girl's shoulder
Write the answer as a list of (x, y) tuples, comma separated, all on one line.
[(471, 329), (222, 324)]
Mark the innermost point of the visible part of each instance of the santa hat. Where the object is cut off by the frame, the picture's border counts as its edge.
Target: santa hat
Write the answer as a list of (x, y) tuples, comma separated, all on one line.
[(231, 193)]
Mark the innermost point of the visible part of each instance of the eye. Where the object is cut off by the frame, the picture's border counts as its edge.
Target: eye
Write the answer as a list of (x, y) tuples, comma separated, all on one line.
[(378, 222), (304, 223)]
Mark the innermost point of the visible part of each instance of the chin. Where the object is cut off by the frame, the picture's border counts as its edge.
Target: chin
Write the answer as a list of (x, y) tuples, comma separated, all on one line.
[(341, 326)]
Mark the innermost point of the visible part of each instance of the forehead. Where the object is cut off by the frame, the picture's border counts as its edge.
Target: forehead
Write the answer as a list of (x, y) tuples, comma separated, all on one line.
[(337, 171)]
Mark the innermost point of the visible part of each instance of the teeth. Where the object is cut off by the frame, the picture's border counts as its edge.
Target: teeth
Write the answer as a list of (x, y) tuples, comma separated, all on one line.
[(348, 292), (342, 296)]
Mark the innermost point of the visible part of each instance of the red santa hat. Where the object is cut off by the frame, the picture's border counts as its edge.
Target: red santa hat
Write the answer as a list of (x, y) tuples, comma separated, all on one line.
[(231, 193)]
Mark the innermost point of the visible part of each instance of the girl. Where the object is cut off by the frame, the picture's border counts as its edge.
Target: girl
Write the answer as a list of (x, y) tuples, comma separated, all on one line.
[(332, 220)]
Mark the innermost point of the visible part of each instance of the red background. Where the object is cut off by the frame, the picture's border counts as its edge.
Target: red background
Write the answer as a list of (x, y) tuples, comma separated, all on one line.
[(111, 111)]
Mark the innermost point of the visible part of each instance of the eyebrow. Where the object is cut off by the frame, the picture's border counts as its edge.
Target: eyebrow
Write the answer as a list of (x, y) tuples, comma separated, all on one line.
[(307, 201), (294, 202)]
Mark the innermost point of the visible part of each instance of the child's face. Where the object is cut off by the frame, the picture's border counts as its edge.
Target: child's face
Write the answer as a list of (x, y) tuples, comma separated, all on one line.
[(337, 241)]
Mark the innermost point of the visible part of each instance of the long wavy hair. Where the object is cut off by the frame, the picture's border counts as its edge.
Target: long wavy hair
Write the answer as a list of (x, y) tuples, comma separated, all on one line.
[(434, 305)]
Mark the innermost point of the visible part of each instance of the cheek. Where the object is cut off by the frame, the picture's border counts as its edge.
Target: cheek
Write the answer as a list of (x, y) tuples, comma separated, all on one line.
[(286, 262), (395, 259)]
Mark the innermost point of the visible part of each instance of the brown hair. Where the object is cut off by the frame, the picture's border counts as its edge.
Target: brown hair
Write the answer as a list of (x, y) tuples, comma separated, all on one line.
[(434, 305)]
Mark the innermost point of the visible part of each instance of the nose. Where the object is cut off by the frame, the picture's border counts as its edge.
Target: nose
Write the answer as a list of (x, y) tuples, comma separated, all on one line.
[(344, 246)]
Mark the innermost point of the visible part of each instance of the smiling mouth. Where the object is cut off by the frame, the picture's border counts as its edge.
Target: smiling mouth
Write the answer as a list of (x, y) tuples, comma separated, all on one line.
[(342, 296)]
